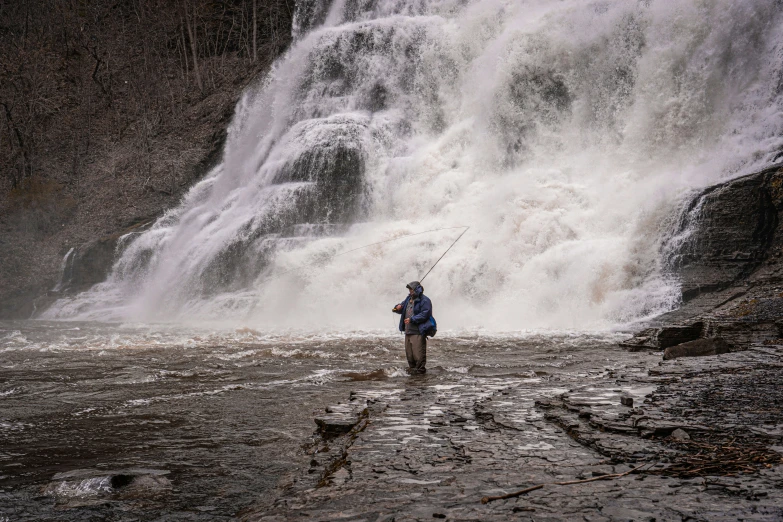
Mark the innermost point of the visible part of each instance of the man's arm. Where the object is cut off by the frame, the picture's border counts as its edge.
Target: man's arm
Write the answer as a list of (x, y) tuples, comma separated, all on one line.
[(399, 308), (426, 312)]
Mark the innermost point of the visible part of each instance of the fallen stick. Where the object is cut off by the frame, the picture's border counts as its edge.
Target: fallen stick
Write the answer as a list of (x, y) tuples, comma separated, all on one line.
[(764, 351), (512, 495), (486, 500)]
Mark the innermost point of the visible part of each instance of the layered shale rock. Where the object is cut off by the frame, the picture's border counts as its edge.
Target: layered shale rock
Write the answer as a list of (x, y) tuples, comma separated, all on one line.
[(421, 450), (697, 348), (664, 337), (726, 252), (734, 231), (734, 400)]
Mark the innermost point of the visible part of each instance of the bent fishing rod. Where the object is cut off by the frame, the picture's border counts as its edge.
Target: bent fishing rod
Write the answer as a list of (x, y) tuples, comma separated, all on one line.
[(329, 258), (444, 253)]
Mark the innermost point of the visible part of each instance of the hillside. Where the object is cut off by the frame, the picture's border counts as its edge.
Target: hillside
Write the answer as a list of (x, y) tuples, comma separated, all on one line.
[(108, 113)]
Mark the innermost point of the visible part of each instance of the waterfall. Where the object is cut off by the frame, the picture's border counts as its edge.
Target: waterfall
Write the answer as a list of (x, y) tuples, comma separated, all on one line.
[(564, 133)]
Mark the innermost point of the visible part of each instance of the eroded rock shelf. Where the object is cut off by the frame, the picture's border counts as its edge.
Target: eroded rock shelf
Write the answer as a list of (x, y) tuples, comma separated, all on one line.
[(425, 452)]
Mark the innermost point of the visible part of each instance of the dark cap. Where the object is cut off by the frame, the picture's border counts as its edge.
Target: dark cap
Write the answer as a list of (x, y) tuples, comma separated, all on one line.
[(413, 285)]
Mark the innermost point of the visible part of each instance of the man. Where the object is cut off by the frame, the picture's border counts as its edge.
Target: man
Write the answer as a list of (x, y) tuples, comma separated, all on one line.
[(415, 321)]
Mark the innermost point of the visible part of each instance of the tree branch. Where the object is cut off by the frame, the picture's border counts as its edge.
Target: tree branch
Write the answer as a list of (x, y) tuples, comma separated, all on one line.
[(486, 500)]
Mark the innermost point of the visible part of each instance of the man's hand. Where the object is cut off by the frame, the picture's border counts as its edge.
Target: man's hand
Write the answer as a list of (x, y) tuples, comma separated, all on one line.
[(397, 308), (407, 321)]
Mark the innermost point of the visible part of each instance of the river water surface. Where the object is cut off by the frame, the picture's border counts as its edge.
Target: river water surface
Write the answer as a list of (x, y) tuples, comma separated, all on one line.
[(216, 418)]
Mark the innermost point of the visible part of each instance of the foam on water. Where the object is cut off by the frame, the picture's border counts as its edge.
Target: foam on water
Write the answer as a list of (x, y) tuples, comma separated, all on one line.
[(565, 134)]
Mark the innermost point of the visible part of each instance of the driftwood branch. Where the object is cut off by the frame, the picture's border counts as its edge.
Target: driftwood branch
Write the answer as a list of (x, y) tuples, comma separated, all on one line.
[(539, 486)]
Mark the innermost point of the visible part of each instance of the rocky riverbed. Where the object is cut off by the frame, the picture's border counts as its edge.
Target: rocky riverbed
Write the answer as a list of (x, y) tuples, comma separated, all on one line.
[(702, 436), (127, 422)]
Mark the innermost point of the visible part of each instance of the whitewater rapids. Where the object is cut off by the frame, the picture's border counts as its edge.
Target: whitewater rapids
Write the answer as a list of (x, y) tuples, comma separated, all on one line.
[(565, 134)]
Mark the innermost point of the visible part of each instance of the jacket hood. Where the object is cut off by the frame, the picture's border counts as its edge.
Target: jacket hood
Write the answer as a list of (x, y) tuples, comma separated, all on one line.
[(416, 287)]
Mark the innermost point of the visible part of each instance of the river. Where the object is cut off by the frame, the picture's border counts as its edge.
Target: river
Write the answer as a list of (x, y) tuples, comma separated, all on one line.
[(221, 416)]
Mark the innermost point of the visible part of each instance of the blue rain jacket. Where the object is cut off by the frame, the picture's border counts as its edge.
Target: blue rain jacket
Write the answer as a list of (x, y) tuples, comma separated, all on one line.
[(422, 311)]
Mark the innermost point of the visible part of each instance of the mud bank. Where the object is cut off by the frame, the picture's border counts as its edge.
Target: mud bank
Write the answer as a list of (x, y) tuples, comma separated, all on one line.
[(705, 434)]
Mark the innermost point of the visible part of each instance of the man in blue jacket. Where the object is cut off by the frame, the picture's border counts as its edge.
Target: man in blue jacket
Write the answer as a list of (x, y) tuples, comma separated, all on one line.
[(415, 312)]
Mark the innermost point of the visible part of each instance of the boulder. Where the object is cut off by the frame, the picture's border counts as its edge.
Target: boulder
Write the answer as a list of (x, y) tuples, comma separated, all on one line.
[(86, 487), (697, 348), (674, 335), (663, 337), (335, 424), (641, 341)]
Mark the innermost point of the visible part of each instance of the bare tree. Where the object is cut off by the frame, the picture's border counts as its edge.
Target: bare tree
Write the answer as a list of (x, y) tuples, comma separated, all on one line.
[(190, 22), (255, 32)]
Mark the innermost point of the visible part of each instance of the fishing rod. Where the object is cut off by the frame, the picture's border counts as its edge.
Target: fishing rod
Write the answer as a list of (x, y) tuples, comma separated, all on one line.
[(329, 258), (270, 276), (444, 253)]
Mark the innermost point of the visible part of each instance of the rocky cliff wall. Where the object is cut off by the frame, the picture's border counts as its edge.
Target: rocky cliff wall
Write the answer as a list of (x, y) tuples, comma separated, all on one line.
[(730, 264)]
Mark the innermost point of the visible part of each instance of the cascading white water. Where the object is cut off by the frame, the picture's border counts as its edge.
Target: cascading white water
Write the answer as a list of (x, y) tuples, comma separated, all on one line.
[(564, 133)]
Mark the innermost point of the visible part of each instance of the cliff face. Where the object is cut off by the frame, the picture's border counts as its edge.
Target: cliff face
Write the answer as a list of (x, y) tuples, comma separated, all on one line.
[(108, 113), (735, 232), (729, 260)]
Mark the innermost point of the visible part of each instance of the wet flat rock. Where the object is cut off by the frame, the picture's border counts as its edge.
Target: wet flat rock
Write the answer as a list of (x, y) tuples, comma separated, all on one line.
[(729, 407), (335, 424), (342, 418), (697, 348), (85, 487), (428, 452)]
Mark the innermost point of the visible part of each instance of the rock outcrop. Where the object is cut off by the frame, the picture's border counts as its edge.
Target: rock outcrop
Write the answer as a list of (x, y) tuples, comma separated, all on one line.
[(727, 256), (697, 348), (91, 263), (664, 337), (734, 231), (83, 267)]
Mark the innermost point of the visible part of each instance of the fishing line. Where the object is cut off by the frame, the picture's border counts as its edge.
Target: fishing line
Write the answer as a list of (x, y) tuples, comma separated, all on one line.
[(441, 257), (270, 276), (379, 243)]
